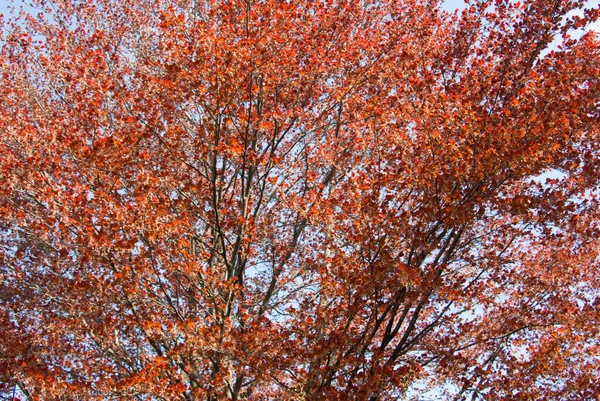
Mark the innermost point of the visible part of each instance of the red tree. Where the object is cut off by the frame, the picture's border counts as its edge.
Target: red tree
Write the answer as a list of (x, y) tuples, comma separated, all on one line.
[(315, 200)]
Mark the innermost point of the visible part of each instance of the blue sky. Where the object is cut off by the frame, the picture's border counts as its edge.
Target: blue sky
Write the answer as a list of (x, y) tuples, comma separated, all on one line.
[(4, 4), (449, 5)]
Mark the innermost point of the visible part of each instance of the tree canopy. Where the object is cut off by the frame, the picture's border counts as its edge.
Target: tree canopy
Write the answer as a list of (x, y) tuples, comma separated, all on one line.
[(299, 200)]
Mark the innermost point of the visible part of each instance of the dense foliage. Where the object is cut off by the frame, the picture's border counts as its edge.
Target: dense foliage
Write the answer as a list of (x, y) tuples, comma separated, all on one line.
[(308, 199)]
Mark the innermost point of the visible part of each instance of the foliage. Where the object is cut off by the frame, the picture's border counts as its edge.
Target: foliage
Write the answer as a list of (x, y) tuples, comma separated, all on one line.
[(316, 200)]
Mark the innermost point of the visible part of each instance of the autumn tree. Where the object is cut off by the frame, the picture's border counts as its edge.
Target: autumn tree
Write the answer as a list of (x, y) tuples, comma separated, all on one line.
[(299, 200)]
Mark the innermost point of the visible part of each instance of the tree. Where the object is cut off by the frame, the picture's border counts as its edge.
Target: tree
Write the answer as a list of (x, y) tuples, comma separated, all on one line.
[(313, 200)]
